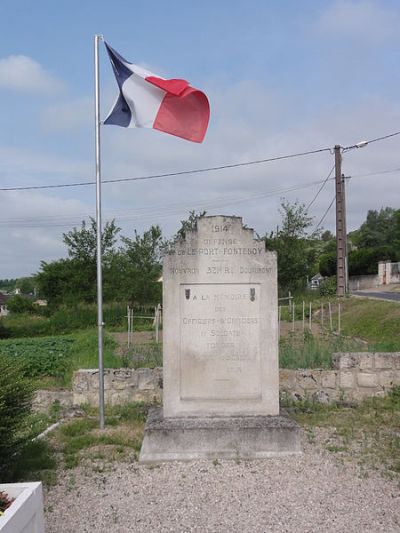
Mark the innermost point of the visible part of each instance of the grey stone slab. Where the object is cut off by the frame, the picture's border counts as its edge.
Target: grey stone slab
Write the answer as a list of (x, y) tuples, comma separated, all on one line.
[(233, 437)]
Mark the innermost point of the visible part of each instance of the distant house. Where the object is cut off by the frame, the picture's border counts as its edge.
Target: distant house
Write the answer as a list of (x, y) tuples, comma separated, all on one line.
[(315, 281), (40, 303), (3, 307)]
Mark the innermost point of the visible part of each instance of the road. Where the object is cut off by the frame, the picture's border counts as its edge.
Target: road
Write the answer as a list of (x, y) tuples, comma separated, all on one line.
[(393, 296)]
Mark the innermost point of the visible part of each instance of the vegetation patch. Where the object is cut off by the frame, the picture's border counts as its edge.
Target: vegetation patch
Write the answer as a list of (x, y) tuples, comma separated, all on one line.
[(50, 361), (81, 440), (142, 355), (305, 350), (374, 321), (369, 432)]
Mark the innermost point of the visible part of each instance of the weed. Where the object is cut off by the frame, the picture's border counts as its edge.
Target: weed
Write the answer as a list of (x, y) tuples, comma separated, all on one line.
[(305, 350), (82, 439), (369, 430)]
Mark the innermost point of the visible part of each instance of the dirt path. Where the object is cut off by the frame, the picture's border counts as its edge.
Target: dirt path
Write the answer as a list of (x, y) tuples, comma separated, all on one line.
[(139, 337)]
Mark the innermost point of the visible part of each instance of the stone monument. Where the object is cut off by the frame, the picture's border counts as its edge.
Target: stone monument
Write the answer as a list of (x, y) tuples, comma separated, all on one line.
[(220, 350)]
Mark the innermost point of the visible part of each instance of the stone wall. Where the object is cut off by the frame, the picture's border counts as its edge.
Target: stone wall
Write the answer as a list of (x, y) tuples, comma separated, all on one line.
[(354, 376), (120, 385)]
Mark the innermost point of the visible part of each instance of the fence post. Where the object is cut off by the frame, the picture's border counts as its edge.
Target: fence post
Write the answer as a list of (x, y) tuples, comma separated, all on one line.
[(304, 306), (322, 316), (339, 311), (157, 320), (330, 315), (293, 305), (131, 340), (310, 318)]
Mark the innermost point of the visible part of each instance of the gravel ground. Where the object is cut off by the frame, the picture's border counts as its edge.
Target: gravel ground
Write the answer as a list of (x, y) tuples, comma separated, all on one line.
[(315, 492)]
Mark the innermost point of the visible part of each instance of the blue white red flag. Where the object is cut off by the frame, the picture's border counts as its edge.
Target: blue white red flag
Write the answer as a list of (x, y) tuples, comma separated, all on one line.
[(149, 101)]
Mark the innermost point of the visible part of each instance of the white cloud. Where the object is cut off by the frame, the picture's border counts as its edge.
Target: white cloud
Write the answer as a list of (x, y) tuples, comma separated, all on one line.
[(360, 20), (68, 115), (23, 166), (31, 225), (22, 73)]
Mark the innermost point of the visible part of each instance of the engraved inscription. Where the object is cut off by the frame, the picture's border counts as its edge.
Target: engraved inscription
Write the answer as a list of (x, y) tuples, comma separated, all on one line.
[(219, 332)]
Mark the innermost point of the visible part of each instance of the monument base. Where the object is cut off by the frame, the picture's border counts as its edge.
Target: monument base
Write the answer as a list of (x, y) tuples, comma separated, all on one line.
[(234, 437)]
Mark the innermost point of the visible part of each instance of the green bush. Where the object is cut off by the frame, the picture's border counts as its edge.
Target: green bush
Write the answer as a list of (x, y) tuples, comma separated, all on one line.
[(20, 304), (4, 331), (15, 403), (328, 286)]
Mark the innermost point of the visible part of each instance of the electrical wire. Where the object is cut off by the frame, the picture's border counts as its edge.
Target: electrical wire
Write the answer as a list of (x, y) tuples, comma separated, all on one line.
[(323, 217), (168, 174), (194, 171), (161, 211), (377, 139), (377, 173), (154, 211), (320, 189)]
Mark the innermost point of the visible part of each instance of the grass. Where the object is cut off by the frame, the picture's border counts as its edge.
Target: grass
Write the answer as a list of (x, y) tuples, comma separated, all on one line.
[(305, 350), (81, 440), (144, 355), (374, 321), (369, 431)]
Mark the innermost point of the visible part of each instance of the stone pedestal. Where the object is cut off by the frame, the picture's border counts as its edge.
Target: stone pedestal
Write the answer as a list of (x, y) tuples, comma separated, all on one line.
[(234, 437), (220, 351)]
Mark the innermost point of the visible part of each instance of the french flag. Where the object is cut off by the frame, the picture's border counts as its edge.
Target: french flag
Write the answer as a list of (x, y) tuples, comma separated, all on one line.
[(149, 101)]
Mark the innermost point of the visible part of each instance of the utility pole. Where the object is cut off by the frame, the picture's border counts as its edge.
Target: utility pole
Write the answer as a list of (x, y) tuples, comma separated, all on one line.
[(341, 244)]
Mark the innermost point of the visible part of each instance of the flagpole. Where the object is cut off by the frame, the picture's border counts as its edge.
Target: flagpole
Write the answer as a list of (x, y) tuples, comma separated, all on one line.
[(100, 324)]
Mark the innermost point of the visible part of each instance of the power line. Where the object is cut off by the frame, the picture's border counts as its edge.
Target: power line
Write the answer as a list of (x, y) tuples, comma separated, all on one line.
[(168, 174), (324, 215), (198, 170), (320, 189), (364, 143), (377, 173), (169, 209)]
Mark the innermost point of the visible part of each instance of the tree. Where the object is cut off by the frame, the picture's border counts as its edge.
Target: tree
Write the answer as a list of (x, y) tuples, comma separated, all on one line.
[(327, 264), (82, 242), (296, 255), (142, 266), (327, 236), (365, 260), (73, 280), (20, 304), (189, 224), (26, 285), (378, 230)]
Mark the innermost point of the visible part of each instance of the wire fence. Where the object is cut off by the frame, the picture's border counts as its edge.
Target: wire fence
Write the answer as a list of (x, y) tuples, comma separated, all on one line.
[(302, 316)]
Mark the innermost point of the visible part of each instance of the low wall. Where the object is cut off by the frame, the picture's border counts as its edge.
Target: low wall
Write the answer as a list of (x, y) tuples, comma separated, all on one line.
[(120, 385), (357, 283), (354, 376)]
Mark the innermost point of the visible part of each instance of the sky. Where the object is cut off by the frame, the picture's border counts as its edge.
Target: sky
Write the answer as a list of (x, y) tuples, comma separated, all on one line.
[(281, 77)]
